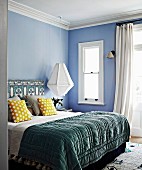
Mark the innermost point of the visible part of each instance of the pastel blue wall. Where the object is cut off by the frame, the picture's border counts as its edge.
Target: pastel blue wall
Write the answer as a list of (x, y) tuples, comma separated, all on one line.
[(102, 32), (33, 49)]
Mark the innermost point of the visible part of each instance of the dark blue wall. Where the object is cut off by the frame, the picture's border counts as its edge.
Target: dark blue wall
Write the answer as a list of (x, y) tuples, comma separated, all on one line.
[(34, 48), (102, 32)]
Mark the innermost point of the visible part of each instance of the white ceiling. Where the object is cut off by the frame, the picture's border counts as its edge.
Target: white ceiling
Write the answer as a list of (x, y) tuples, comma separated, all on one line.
[(75, 11)]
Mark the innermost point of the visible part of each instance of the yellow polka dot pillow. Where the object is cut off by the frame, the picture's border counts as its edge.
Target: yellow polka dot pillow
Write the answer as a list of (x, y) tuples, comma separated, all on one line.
[(19, 111), (46, 106)]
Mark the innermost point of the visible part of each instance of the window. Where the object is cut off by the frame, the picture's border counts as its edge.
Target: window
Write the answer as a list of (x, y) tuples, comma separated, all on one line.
[(137, 82), (91, 79), (137, 64)]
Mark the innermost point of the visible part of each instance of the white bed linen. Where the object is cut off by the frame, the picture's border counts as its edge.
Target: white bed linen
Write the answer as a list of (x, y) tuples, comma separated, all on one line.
[(16, 130)]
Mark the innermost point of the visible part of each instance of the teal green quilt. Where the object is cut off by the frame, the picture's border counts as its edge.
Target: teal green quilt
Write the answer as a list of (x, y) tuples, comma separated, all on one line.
[(74, 143)]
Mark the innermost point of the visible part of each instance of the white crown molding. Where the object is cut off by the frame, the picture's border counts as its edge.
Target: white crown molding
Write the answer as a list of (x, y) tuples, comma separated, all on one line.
[(44, 17), (106, 19), (38, 15)]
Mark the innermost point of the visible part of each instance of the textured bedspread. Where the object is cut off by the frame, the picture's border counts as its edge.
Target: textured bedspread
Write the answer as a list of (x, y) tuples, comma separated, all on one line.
[(74, 143)]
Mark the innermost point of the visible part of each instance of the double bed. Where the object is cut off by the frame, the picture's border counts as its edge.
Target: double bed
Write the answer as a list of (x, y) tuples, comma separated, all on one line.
[(67, 140)]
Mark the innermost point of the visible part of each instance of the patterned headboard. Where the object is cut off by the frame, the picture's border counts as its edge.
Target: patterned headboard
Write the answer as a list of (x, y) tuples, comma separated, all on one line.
[(25, 87)]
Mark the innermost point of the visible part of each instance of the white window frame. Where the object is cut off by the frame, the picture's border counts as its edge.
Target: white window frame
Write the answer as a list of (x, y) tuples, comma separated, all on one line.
[(81, 99)]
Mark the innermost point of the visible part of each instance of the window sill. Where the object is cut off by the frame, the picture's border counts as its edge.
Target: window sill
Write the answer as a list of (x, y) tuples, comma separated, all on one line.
[(91, 102)]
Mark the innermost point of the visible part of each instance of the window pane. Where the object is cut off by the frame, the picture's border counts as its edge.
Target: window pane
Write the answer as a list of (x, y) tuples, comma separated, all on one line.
[(91, 86), (137, 37), (137, 77), (138, 89), (137, 63), (91, 59)]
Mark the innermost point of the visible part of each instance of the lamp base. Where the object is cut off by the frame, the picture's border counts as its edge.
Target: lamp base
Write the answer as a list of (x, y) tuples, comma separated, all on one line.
[(64, 109)]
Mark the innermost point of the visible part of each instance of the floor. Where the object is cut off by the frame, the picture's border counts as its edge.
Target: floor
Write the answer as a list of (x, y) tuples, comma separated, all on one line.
[(130, 160), (136, 140)]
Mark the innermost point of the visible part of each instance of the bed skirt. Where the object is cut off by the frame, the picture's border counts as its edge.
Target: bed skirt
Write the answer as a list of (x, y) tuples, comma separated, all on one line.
[(107, 158)]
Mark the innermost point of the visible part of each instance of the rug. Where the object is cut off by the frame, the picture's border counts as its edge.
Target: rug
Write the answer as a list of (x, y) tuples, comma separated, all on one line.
[(130, 160)]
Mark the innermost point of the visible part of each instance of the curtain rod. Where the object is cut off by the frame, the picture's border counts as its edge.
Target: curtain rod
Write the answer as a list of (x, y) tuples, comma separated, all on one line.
[(126, 22)]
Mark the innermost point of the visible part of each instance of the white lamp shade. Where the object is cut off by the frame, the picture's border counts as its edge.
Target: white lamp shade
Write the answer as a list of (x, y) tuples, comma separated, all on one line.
[(60, 81)]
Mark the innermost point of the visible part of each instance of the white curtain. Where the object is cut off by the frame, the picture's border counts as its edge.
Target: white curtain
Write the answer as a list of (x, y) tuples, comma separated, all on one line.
[(124, 70)]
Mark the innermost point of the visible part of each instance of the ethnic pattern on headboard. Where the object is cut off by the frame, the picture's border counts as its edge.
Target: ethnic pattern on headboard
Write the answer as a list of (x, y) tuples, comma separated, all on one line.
[(25, 87)]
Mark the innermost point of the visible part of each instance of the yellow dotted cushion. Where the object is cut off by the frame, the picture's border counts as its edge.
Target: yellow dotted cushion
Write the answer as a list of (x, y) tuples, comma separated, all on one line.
[(19, 111), (46, 106)]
